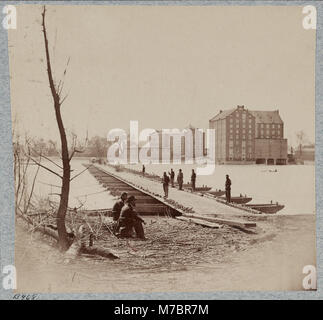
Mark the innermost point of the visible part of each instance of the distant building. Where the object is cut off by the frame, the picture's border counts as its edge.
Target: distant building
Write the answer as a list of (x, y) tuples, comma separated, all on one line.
[(181, 145), (245, 136)]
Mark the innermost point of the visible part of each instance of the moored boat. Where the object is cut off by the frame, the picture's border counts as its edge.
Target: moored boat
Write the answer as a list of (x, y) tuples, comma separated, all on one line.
[(203, 189), (239, 200), (216, 193), (197, 189), (266, 208)]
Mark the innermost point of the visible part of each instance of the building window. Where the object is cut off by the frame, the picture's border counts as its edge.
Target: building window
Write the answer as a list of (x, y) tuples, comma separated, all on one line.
[(237, 136), (243, 137)]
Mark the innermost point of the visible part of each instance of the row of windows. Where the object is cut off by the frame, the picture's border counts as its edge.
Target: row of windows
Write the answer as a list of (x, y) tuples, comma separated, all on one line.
[(237, 126), (243, 143), (243, 131), (268, 130), (243, 137), (267, 125), (244, 120), (249, 157)]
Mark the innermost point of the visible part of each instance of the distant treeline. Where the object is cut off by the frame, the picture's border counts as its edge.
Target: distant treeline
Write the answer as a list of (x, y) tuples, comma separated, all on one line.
[(93, 147)]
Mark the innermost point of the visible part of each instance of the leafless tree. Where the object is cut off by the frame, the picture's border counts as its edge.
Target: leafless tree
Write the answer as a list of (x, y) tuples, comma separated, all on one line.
[(66, 155)]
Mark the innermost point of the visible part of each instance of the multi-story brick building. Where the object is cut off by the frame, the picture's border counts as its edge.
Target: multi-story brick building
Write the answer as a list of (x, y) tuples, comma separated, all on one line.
[(245, 136)]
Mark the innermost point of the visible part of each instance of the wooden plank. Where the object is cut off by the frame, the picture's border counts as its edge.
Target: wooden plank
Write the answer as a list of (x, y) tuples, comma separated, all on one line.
[(201, 222), (234, 223)]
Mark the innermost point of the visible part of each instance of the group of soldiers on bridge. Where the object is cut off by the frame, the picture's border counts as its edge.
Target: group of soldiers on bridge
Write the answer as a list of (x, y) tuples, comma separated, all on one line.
[(125, 216)]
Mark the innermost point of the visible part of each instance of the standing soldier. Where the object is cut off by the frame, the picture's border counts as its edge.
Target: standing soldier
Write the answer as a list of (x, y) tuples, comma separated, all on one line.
[(130, 220), (228, 188), (165, 184), (116, 210), (193, 180), (172, 177), (180, 179), (143, 169)]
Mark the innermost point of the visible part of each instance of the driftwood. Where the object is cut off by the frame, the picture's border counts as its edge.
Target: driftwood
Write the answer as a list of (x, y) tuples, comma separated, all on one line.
[(78, 242), (204, 220), (201, 222), (80, 246), (230, 222)]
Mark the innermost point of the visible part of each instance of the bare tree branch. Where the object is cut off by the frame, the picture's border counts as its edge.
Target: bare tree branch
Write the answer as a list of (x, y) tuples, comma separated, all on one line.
[(44, 167), (81, 172), (50, 160)]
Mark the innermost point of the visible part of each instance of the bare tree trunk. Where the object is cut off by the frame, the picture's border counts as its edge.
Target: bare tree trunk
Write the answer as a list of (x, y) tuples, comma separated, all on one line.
[(61, 228)]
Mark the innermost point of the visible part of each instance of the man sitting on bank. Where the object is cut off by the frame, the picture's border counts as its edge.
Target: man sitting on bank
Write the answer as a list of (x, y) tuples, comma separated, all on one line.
[(116, 210), (130, 220)]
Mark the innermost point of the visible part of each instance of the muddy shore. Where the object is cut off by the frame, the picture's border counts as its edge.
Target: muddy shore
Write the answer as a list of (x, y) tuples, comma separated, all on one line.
[(176, 257)]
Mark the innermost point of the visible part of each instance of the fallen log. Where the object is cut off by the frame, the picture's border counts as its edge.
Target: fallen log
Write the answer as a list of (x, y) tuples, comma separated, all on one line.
[(80, 246), (201, 222), (94, 250), (233, 223)]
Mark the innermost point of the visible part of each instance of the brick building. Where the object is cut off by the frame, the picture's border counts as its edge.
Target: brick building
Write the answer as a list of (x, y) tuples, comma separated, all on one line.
[(245, 136)]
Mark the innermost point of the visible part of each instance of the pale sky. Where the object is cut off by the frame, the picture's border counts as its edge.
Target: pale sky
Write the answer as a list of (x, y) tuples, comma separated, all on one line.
[(165, 66)]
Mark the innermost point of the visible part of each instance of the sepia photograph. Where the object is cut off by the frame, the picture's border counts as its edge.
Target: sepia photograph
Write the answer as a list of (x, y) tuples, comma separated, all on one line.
[(163, 148)]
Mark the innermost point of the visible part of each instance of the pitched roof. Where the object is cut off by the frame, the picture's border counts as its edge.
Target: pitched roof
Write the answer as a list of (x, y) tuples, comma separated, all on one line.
[(267, 116), (222, 114)]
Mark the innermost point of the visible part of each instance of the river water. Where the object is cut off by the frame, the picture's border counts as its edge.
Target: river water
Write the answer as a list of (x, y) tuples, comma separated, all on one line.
[(291, 185)]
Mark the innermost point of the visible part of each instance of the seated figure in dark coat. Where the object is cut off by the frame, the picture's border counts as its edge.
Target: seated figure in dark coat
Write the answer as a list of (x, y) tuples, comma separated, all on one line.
[(130, 220)]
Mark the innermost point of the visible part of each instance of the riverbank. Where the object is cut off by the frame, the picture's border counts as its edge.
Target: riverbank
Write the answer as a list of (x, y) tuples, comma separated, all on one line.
[(176, 257)]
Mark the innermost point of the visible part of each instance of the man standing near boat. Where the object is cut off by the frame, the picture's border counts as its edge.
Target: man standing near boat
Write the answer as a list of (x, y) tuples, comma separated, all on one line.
[(193, 180), (172, 177), (228, 188), (165, 184), (180, 179)]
